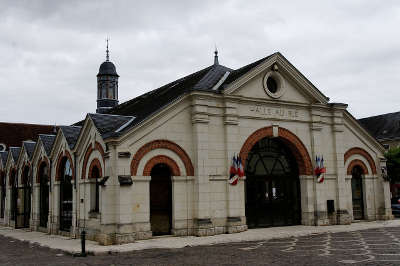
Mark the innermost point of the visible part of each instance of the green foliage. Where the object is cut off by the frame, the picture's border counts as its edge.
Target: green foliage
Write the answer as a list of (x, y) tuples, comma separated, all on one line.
[(393, 163)]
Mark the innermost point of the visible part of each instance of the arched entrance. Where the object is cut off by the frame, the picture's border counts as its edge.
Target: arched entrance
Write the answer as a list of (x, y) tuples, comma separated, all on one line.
[(272, 185), (44, 195), (23, 202), (357, 192), (161, 200), (65, 195), (14, 194)]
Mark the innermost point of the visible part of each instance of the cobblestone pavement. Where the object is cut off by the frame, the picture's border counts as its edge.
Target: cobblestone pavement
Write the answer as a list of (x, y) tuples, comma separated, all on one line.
[(367, 247)]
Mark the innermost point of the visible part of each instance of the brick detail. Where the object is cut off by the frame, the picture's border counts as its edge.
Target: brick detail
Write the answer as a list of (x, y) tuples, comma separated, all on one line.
[(45, 160), (161, 159), (292, 141), (60, 158), (161, 144), (89, 150), (357, 162), (363, 153), (95, 163)]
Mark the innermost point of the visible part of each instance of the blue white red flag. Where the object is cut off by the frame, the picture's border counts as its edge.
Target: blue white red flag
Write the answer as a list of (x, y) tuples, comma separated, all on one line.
[(320, 169), (233, 172)]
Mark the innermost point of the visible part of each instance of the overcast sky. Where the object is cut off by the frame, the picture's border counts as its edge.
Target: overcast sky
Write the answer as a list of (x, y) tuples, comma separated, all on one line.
[(51, 50)]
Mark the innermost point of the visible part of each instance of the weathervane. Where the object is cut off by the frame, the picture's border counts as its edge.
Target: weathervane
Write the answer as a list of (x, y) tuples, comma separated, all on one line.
[(107, 51)]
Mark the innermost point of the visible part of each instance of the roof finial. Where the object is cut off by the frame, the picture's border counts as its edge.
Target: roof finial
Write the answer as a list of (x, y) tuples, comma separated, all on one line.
[(216, 56), (107, 52)]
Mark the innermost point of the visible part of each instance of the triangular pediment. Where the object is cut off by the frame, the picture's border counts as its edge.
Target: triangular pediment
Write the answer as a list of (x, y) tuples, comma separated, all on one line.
[(275, 78)]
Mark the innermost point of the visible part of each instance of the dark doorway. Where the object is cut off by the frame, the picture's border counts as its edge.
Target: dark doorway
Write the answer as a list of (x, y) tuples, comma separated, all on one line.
[(3, 195), (66, 196), (14, 194), (44, 195), (272, 185), (161, 200), (357, 193), (23, 210)]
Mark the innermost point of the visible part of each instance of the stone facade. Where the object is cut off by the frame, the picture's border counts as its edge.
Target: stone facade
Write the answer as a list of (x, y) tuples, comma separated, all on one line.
[(196, 137)]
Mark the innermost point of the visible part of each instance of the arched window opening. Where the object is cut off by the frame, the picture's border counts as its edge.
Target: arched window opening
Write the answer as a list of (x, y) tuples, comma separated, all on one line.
[(66, 195), (357, 192), (14, 194), (3, 195), (95, 189), (43, 195), (23, 209)]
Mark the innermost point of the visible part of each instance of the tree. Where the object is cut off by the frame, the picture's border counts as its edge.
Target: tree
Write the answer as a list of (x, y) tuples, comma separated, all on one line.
[(393, 164)]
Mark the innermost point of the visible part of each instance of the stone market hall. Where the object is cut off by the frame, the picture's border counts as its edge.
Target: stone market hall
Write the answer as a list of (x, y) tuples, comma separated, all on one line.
[(159, 164)]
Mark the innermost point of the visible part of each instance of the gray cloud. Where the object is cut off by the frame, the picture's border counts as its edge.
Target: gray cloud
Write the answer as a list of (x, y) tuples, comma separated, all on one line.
[(51, 50)]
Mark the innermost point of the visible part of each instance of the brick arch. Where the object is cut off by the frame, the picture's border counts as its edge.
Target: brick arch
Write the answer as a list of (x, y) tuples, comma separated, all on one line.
[(162, 144), (44, 160), (89, 151), (95, 163), (357, 162), (60, 158), (173, 166), (291, 140), (363, 153)]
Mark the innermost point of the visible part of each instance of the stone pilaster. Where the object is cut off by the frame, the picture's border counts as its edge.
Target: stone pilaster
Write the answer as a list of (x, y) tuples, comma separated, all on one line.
[(343, 216), (236, 221), (320, 208), (200, 120)]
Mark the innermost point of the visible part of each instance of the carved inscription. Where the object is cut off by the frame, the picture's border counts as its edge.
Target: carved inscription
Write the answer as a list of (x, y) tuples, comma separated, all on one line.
[(275, 112)]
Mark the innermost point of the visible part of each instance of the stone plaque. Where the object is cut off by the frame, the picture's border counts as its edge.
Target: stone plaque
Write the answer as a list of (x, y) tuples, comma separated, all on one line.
[(275, 112)]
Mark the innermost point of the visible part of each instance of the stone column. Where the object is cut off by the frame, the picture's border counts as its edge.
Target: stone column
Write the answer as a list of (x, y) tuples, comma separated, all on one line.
[(202, 221), (342, 212), (236, 217), (109, 199), (387, 208), (55, 208), (35, 206), (182, 200)]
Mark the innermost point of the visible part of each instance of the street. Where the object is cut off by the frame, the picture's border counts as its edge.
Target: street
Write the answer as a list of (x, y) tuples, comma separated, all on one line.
[(368, 247)]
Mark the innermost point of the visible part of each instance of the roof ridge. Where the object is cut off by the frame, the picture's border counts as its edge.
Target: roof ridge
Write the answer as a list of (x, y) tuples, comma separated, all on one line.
[(160, 88)]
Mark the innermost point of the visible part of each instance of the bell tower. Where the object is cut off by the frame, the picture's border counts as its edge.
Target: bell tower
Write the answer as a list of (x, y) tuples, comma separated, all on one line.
[(107, 85)]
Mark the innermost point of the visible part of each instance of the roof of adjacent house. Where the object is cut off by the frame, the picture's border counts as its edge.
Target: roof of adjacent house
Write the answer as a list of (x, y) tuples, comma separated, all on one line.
[(213, 78), (48, 141), (13, 134), (15, 153), (110, 125), (71, 133), (383, 127), (29, 147)]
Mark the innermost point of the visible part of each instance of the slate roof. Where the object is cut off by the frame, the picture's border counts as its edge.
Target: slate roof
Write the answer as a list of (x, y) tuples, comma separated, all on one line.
[(383, 127), (107, 124), (12, 134), (147, 104), (48, 141), (71, 133), (29, 147), (3, 155), (15, 153), (107, 68)]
